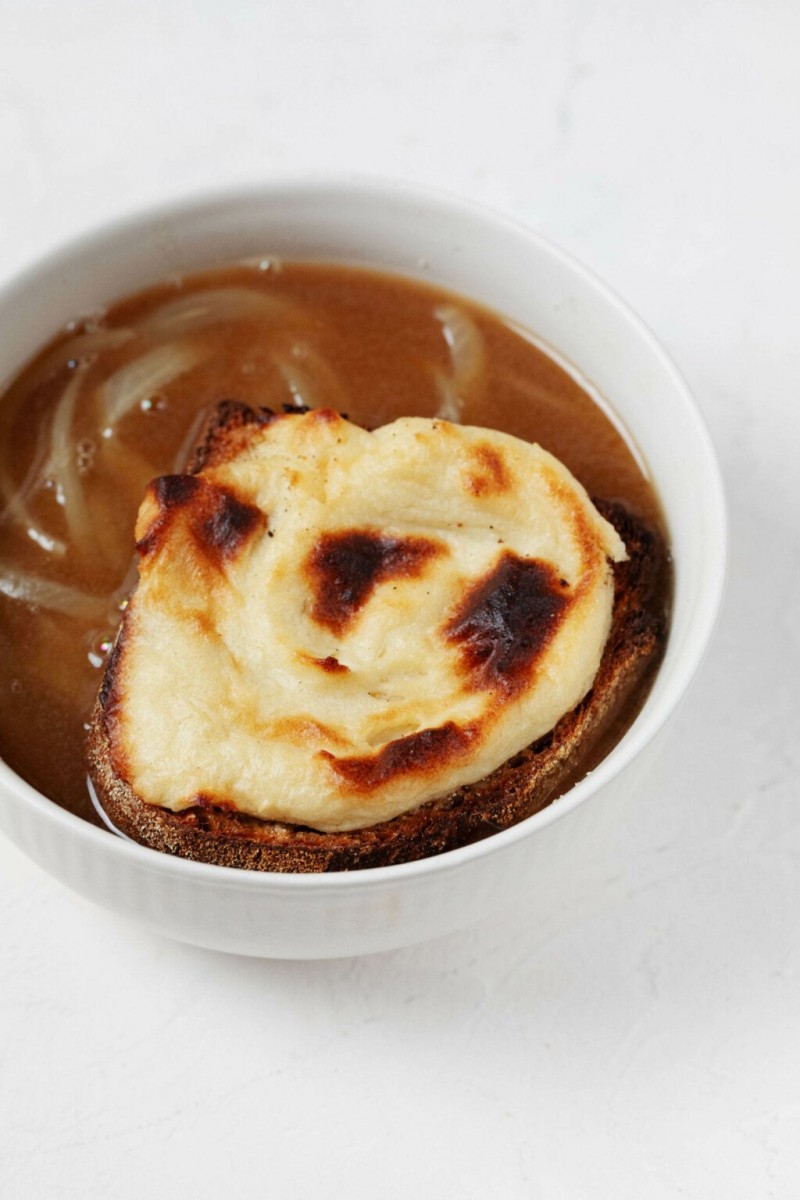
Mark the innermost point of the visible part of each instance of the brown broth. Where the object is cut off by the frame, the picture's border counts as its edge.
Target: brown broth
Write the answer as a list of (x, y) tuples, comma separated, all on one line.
[(368, 344)]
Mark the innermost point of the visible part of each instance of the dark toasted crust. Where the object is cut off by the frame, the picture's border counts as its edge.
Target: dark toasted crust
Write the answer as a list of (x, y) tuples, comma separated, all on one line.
[(517, 789), (227, 432)]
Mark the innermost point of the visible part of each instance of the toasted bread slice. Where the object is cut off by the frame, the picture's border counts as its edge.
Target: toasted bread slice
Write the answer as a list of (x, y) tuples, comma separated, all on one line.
[(217, 833)]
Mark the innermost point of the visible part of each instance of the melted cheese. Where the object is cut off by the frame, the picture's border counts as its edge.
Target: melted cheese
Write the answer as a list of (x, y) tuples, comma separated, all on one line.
[(335, 625)]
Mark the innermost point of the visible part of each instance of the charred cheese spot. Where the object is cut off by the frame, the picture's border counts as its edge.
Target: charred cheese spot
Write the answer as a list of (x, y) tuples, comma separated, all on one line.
[(345, 567), (218, 522), (488, 473), (330, 664), (324, 416), (171, 493), (227, 526), (418, 753), (506, 621)]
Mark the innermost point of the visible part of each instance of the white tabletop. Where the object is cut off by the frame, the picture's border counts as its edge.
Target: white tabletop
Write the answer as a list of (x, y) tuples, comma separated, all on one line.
[(642, 1040)]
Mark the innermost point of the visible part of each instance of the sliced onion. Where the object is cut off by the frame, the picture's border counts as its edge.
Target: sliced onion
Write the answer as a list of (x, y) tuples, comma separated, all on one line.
[(14, 497), (467, 353), (50, 457), (450, 406), (196, 311), (130, 385), (465, 342), (310, 378), (15, 510), (50, 545), (81, 349), (55, 597), (63, 467)]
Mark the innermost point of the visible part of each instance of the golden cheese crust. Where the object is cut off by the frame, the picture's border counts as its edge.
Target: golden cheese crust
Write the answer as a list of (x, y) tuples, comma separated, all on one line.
[(333, 627)]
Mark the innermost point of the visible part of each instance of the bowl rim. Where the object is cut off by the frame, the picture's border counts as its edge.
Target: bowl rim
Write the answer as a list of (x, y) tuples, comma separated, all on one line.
[(648, 722)]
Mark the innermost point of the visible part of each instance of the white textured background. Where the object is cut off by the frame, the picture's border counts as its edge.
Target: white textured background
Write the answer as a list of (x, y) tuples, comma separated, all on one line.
[(642, 1042)]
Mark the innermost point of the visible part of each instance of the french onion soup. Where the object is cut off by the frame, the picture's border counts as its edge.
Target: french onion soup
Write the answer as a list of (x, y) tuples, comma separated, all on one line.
[(402, 581)]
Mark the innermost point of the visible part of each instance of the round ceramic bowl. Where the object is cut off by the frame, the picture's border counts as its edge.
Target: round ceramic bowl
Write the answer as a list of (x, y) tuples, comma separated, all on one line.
[(523, 277)]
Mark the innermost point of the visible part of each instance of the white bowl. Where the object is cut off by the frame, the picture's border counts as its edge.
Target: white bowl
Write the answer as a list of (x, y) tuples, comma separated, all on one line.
[(520, 275)]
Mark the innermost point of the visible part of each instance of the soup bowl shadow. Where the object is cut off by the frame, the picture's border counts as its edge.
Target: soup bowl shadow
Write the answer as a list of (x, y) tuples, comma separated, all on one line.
[(508, 268)]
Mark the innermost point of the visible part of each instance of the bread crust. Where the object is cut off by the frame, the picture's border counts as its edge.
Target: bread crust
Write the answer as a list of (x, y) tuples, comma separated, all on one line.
[(518, 788)]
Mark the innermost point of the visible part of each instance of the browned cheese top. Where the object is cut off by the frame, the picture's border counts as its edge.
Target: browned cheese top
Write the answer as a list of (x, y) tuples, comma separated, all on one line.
[(333, 626)]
